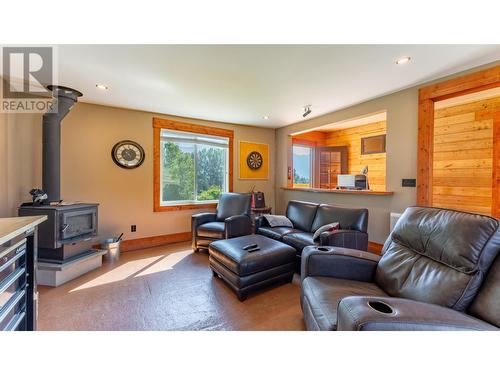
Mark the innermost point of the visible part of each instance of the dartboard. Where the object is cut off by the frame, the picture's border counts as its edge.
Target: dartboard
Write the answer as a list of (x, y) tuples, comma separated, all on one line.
[(254, 160)]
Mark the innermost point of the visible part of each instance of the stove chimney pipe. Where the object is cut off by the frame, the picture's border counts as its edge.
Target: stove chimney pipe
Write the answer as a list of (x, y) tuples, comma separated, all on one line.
[(64, 99)]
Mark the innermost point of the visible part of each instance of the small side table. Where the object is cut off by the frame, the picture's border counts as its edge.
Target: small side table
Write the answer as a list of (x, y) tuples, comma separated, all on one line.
[(261, 211)]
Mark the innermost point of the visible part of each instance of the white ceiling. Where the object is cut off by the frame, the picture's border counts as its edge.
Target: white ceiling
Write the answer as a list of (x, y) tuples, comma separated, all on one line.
[(242, 83)]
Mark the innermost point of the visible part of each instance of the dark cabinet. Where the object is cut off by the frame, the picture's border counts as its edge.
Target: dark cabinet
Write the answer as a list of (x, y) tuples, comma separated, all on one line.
[(18, 256)]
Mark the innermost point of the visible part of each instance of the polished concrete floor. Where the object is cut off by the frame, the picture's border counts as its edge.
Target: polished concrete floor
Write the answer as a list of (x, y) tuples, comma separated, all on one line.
[(164, 288)]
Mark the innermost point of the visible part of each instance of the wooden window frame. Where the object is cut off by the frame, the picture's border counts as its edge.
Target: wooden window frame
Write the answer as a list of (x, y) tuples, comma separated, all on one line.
[(428, 95), (158, 125)]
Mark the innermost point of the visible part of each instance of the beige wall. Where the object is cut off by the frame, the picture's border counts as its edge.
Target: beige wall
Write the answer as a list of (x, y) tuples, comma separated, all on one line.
[(401, 153), (89, 174), (126, 197), (3, 165), (20, 142)]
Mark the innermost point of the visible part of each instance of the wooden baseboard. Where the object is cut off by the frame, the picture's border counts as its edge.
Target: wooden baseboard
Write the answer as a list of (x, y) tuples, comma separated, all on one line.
[(165, 239), (374, 247), (145, 242)]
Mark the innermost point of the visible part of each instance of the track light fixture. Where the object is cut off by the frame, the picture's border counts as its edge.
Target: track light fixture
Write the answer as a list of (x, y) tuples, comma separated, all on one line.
[(307, 110)]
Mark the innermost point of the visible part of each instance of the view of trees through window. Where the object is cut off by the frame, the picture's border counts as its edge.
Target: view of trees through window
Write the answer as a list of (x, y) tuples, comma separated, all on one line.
[(192, 172), (302, 157)]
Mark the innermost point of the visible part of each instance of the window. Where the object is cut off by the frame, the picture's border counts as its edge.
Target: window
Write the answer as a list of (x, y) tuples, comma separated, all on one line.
[(192, 165), (302, 162)]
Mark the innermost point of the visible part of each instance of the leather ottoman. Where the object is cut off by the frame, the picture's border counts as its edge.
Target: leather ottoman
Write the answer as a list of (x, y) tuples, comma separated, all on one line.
[(248, 271)]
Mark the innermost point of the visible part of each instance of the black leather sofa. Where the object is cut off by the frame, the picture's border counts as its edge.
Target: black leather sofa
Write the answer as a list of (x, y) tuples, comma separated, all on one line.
[(231, 219), (439, 270), (308, 217)]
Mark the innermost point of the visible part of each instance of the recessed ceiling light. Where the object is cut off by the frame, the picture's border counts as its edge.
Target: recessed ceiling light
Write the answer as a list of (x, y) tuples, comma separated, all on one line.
[(100, 86), (265, 117), (403, 60)]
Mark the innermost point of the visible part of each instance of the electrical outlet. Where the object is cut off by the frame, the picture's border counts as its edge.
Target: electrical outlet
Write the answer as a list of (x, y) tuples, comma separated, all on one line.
[(133, 228)]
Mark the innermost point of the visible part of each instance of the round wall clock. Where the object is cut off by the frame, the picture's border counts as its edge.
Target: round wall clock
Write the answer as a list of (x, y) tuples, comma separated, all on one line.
[(127, 154), (254, 160)]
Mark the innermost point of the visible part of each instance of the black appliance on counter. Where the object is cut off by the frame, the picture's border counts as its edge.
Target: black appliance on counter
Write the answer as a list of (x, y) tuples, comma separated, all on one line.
[(361, 182)]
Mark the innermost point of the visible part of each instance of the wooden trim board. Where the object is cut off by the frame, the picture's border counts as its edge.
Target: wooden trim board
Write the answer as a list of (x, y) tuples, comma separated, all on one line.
[(495, 203), (166, 239), (145, 242), (474, 82), (375, 248), (340, 191), (160, 123)]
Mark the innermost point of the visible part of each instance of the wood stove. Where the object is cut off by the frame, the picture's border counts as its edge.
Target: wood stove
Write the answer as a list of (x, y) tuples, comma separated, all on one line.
[(65, 236), (64, 240)]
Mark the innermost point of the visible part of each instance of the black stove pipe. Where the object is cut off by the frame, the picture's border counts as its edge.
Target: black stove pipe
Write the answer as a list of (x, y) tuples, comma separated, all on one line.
[(64, 99)]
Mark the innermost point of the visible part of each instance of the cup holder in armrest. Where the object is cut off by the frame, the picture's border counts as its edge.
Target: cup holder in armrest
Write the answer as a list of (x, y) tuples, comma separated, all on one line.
[(323, 248), (381, 307)]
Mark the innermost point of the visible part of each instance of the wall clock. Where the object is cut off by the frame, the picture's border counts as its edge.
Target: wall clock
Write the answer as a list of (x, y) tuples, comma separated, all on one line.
[(254, 160), (128, 154)]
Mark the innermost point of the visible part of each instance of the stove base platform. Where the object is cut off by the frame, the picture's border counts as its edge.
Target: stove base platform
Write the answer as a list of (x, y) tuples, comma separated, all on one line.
[(56, 274)]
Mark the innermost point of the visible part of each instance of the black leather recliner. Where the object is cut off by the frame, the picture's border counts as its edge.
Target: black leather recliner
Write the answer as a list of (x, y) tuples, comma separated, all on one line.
[(307, 217), (439, 270), (231, 219)]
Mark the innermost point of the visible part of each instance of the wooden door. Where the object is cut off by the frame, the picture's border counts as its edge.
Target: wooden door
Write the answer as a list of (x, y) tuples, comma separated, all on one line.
[(331, 161), (324, 169)]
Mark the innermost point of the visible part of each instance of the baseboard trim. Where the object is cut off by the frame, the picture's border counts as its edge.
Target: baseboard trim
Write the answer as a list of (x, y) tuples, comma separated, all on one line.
[(374, 247), (165, 239), (145, 242)]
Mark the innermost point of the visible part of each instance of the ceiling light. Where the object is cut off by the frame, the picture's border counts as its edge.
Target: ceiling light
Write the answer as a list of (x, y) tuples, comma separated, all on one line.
[(307, 110), (265, 117), (100, 86), (403, 60)]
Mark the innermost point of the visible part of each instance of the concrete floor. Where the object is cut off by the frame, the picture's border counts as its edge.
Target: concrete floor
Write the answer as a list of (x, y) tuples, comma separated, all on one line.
[(164, 288)]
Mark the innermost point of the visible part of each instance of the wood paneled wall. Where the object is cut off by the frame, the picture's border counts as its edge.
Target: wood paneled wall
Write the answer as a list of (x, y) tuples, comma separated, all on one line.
[(351, 138), (313, 139), (463, 156)]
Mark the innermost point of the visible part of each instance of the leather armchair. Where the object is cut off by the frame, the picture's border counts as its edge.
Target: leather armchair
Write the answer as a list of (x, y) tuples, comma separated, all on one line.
[(231, 219), (438, 271)]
